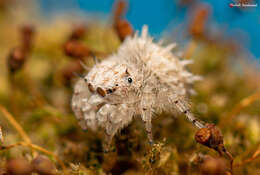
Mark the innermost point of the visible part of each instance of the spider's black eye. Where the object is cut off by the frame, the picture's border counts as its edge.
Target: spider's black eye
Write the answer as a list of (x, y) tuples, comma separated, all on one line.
[(129, 80)]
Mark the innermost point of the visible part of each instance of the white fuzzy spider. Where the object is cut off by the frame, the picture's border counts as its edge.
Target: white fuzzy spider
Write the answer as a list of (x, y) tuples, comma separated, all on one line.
[(142, 78)]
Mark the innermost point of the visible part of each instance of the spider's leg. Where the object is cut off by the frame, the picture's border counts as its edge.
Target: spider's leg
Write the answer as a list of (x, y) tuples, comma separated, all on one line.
[(118, 116), (193, 119), (184, 108), (111, 130), (147, 118)]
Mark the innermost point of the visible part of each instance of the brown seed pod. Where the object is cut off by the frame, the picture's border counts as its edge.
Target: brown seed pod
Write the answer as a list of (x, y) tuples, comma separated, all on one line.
[(16, 59), (76, 49), (213, 166), (3, 171), (27, 35), (186, 2), (211, 137), (120, 9), (197, 25), (78, 32), (202, 136), (18, 166), (123, 28), (43, 165)]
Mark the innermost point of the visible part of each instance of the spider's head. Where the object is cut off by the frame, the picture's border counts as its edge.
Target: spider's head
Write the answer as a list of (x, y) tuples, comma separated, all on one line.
[(117, 81)]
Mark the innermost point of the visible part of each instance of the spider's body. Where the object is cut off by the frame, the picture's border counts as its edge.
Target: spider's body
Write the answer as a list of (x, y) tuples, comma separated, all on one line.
[(141, 78)]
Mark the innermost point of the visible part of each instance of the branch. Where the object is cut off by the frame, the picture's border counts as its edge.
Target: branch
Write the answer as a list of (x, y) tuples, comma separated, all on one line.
[(242, 104), (255, 156), (1, 135), (15, 124)]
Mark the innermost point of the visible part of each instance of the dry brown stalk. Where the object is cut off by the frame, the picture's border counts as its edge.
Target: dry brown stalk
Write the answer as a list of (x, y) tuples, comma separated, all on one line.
[(255, 156), (189, 51), (1, 135), (241, 105), (15, 124)]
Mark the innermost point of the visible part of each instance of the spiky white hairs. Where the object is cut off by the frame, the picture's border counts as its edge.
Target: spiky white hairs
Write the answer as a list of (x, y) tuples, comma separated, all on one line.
[(159, 59)]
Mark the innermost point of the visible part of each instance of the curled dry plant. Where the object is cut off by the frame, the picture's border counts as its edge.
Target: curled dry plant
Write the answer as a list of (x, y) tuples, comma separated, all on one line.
[(122, 27), (76, 49), (78, 32), (212, 137), (17, 56), (197, 25)]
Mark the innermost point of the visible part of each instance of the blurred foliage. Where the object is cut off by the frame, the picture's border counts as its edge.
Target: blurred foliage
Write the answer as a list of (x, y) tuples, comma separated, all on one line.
[(38, 95)]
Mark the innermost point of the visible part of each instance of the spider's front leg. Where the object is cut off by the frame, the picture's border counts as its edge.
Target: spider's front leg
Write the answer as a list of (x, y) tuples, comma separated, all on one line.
[(182, 106), (146, 115), (110, 132), (115, 118)]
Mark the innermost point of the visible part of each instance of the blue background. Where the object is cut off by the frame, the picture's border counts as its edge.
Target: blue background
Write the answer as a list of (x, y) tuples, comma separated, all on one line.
[(161, 15)]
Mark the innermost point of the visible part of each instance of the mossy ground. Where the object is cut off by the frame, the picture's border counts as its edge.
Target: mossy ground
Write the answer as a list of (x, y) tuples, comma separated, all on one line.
[(39, 97)]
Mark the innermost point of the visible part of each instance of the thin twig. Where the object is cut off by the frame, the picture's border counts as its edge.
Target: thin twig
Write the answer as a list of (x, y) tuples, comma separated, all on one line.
[(242, 104), (231, 160), (191, 48), (38, 148), (15, 124), (254, 157), (1, 135)]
